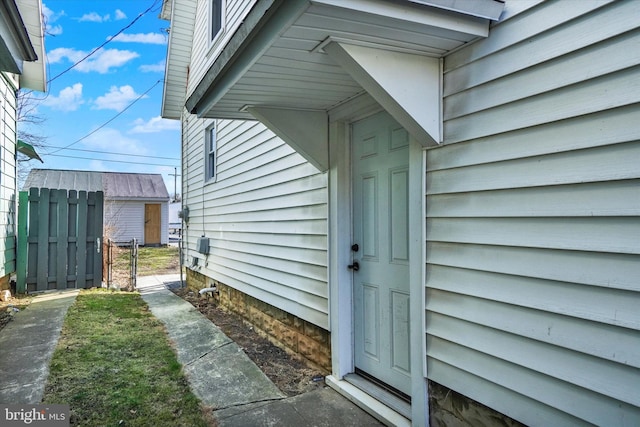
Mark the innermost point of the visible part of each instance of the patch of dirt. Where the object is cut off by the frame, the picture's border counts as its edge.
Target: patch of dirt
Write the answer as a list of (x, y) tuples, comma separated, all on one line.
[(8, 308), (291, 375)]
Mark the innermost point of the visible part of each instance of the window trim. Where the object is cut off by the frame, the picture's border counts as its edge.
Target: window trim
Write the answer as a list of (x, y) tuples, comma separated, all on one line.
[(211, 154), (212, 39)]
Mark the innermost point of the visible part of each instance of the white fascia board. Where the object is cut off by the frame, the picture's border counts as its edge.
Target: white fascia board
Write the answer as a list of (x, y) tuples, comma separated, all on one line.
[(408, 86), (178, 57), (431, 16), (489, 9), (307, 132), (34, 74)]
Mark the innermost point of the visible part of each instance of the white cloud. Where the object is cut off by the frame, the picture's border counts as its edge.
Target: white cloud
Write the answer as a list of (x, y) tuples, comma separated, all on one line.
[(155, 124), (94, 17), (147, 38), (101, 61), (50, 15), (49, 18), (152, 68), (58, 54), (110, 139), (117, 98), (69, 99), (54, 30)]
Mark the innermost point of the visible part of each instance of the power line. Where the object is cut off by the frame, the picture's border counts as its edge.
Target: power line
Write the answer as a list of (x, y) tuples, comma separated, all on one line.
[(105, 160), (110, 120), (109, 39), (115, 154)]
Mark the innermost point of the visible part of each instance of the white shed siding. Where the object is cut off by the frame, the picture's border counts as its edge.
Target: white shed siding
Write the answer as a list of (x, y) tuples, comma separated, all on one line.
[(124, 220), (533, 233), (8, 184), (266, 216), (203, 52)]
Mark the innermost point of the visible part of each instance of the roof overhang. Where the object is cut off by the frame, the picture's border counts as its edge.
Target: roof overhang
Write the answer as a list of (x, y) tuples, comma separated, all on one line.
[(34, 73), (15, 46), (22, 42), (313, 55), (181, 14), (28, 150)]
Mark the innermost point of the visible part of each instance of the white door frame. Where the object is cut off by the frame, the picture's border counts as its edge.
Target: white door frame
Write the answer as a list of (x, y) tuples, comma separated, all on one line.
[(340, 255)]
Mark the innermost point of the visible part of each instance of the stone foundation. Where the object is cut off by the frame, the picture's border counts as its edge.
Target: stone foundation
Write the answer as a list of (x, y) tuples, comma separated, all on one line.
[(281, 328), (450, 409), (447, 408)]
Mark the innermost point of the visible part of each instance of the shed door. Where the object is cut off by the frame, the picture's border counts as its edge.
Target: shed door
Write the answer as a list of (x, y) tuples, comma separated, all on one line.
[(152, 224), (380, 179)]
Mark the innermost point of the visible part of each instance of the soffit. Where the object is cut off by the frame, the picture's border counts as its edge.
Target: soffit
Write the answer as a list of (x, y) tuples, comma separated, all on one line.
[(15, 46), (34, 75), (287, 67)]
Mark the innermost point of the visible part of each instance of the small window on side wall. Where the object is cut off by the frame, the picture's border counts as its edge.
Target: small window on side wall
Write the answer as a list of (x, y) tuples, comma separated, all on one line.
[(210, 154), (216, 19)]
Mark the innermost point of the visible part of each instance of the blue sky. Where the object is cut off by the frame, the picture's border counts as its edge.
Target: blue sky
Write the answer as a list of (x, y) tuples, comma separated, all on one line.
[(84, 105)]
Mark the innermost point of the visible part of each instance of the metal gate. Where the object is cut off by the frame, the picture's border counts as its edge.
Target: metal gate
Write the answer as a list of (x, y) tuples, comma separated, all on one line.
[(59, 239)]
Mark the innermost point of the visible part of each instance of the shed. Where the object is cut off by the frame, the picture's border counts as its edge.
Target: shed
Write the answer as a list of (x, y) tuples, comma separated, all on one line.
[(136, 204)]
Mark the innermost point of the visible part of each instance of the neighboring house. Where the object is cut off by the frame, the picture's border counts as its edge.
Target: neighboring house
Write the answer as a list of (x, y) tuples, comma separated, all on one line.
[(22, 66), (439, 196), (175, 222), (136, 204)]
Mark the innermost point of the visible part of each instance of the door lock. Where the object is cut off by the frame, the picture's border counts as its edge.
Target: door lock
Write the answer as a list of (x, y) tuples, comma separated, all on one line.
[(355, 247), (355, 266)]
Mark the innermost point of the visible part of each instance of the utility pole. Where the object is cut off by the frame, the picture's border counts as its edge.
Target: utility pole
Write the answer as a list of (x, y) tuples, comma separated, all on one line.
[(175, 183)]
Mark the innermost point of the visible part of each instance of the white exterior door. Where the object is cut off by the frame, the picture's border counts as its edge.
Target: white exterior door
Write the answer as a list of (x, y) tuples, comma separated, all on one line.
[(380, 180)]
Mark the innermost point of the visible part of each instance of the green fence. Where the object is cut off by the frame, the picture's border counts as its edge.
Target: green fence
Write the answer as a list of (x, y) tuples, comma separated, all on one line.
[(59, 239)]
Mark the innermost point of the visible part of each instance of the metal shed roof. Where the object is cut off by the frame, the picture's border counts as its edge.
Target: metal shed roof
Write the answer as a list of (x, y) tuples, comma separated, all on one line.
[(116, 185)]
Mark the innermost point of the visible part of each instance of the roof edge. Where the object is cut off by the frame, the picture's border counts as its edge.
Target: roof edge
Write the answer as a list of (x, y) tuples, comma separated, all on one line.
[(240, 43), (487, 9)]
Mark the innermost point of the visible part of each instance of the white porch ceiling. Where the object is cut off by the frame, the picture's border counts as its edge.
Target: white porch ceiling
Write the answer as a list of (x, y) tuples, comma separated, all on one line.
[(283, 65)]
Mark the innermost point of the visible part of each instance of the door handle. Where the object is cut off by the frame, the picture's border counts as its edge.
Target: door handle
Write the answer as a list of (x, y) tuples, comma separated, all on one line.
[(355, 266)]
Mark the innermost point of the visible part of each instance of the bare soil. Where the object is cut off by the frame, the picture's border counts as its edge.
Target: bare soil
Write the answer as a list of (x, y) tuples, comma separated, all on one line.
[(290, 374), (7, 308)]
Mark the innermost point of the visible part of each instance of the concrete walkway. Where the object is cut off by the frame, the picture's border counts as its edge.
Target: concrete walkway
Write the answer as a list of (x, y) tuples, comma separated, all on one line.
[(27, 344), (218, 371), (225, 379)]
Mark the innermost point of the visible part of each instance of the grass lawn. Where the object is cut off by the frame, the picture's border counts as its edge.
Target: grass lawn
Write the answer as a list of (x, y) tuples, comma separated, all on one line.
[(114, 366), (151, 260)]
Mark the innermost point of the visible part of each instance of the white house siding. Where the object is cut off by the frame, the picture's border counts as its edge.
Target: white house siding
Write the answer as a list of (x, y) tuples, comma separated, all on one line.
[(265, 215), (203, 50), (124, 220), (7, 176), (533, 235)]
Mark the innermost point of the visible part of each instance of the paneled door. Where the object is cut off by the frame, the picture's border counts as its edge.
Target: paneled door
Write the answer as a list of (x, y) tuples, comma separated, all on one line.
[(380, 181), (152, 224)]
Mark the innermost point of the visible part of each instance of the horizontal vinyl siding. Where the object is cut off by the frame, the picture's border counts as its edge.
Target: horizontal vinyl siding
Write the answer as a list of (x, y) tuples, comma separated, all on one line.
[(8, 203), (203, 52), (265, 215), (533, 235), (124, 221)]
